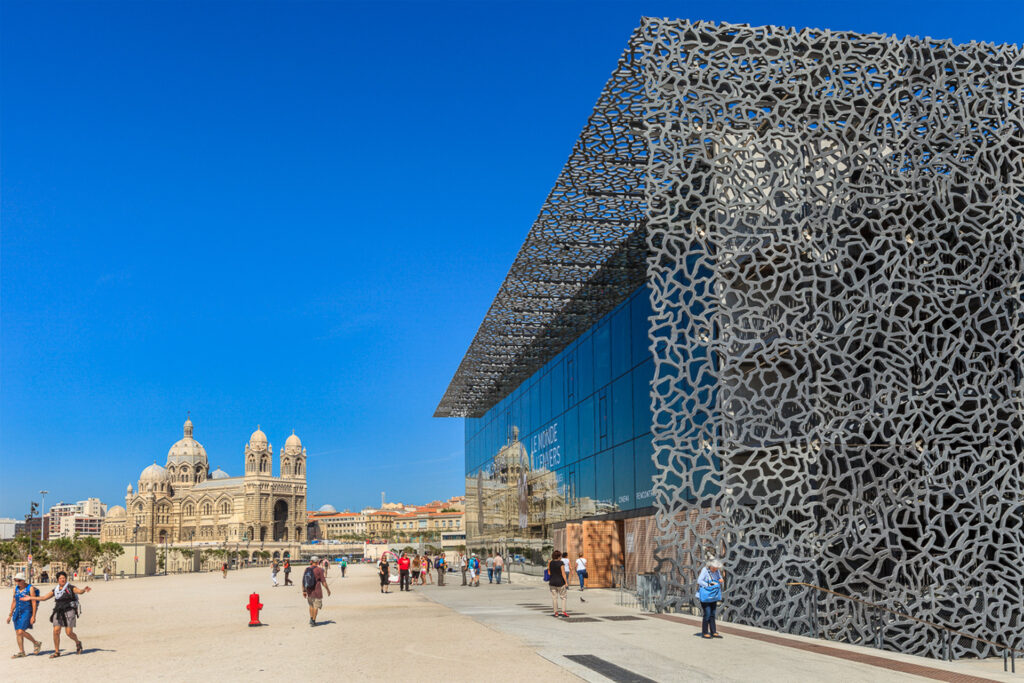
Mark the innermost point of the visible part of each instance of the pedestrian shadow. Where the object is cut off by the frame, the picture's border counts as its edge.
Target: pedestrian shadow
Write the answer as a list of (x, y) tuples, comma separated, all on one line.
[(325, 622)]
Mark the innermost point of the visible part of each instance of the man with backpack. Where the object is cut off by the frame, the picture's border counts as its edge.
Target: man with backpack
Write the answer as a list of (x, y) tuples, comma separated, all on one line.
[(313, 583), (439, 565)]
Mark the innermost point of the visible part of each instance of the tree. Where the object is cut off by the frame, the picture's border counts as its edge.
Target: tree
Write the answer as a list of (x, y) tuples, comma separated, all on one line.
[(108, 552), (161, 558), (65, 551), (88, 548)]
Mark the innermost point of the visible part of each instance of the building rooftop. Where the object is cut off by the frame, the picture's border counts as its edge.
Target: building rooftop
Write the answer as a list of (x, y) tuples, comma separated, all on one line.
[(585, 253)]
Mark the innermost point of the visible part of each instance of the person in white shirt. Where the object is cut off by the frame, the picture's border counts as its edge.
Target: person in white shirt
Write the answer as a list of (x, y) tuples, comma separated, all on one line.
[(581, 569), (565, 561)]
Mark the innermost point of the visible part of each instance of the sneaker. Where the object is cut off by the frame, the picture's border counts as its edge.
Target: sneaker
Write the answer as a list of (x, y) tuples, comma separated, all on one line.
[(312, 623)]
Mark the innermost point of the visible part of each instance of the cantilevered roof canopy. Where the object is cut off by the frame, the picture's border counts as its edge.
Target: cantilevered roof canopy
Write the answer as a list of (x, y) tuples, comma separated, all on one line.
[(583, 256)]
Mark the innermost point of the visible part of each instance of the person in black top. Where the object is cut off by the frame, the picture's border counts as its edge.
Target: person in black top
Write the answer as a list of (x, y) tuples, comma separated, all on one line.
[(65, 611), (385, 574), (556, 582)]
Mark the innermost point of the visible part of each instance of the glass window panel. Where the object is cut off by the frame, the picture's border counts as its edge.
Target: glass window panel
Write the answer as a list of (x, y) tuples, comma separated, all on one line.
[(642, 416), (545, 398), (605, 475), (587, 485), (571, 442), (643, 452), (622, 359), (570, 379), (588, 429), (585, 367), (602, 355), (622, 409), (602, 419), (624, 473), (557, 389), (640, 306), (535, 417)]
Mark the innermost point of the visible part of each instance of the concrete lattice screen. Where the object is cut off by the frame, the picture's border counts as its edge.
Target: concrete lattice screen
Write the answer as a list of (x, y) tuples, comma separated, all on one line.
[(836, 257)]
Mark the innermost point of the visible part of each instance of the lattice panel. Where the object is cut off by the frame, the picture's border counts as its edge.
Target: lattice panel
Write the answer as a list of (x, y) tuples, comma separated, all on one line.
[(837, 249)]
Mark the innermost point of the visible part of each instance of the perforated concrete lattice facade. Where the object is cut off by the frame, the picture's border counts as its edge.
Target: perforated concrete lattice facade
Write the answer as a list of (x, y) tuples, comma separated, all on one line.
[(831, 228)]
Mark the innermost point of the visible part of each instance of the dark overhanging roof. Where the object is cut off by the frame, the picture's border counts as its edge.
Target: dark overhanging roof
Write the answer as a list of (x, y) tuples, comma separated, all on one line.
[(583, 256)]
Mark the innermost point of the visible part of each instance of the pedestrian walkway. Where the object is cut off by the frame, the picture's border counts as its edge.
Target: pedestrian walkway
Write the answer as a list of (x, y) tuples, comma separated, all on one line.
[(602, 641)]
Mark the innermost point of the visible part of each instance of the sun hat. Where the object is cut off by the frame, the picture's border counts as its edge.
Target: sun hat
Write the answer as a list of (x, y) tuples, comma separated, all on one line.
[(19, 577), (314, 559)]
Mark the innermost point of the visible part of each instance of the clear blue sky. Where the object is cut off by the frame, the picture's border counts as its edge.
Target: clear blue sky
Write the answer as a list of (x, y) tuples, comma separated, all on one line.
[(291, 214)]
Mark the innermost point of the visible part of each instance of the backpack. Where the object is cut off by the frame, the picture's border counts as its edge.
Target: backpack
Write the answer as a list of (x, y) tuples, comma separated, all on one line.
[(438, 563), (308, 579)]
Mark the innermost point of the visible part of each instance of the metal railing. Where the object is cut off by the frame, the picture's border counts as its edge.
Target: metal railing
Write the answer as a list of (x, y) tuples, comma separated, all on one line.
[(1009, 652)]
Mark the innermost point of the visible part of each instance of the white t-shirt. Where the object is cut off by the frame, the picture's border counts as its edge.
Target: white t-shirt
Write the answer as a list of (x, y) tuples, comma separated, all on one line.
[(565, 561), (581, 564)]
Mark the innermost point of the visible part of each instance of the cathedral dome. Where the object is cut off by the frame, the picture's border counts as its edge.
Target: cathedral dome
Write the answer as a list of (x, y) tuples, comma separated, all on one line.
[(293, 444), (258, 440), (187, 451), (219, 474), (155, 474), (326, 508), (116, 511)]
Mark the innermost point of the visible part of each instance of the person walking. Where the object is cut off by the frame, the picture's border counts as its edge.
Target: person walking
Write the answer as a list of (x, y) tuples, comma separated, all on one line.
[(65, 610), (427, 564), (581, 570), (499, 565), (565, 561), (417, 566), (709, 592), (441, 566), (556, 582), (287, 573), (274, 569), (24, 615), (384, 572), (313, 586), (403, 572), (489, 563), (224, 570), (344, 566), (463, 566)]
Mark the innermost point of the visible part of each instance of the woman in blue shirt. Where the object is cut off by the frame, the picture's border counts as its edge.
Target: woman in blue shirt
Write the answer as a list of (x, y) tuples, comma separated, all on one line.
[(709, 592), (24, 615)]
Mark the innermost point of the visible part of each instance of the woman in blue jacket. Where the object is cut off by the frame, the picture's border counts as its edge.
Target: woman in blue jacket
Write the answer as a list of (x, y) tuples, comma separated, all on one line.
[(709, 592)]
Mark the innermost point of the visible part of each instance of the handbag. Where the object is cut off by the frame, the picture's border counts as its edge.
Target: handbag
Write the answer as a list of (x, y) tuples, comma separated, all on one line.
[(585, 574), (710, 593), (547, 576)]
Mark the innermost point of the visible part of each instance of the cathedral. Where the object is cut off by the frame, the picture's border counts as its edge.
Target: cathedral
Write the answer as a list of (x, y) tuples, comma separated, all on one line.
[(184, 502)]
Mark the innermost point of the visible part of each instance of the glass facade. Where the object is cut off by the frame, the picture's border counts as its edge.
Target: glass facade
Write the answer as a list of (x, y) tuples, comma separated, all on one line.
[(572, 441)]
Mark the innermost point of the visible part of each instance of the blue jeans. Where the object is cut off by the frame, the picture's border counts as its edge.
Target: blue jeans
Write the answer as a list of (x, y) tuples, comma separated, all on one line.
[(579, 573), (707, 624), (490, 575), (497, 575)]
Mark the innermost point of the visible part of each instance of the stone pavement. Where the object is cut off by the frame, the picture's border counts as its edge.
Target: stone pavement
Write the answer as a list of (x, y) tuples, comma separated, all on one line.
[(649, 647), (194, 627)]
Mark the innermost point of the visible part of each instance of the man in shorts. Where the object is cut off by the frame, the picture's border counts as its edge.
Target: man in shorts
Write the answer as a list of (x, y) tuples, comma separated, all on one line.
[(313, 585)]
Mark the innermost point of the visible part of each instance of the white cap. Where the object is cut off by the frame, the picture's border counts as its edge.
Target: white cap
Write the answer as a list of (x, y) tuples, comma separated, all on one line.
[(19, 577)]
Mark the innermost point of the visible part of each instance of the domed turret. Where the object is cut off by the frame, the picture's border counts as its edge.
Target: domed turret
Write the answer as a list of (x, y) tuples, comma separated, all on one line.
[(188, 451), (154, 479), (293, 445), (116, 512), (258, 440), (219, 474)]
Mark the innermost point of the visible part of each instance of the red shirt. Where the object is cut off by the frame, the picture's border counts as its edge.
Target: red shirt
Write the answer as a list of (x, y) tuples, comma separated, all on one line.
[(403, 563)]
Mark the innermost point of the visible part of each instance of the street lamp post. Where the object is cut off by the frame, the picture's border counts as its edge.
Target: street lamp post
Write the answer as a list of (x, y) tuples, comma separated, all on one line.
[(42, 516)]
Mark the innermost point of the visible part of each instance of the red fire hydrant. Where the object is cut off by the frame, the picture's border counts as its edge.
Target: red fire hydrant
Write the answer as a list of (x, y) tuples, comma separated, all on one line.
[(254, 608)]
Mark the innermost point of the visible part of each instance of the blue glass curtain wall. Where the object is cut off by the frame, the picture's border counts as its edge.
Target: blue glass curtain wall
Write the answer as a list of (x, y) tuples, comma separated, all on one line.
[(584, 417)]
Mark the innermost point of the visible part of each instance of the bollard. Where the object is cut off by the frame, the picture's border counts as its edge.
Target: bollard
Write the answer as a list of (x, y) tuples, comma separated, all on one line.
[(254, 608)]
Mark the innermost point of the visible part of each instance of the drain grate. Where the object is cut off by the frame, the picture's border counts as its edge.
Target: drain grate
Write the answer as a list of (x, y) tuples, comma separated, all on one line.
[(623, 618), (576, 620), (609, 670)]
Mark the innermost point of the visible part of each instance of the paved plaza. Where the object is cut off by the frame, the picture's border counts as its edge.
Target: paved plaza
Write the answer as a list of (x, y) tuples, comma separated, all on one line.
[(195, 626)]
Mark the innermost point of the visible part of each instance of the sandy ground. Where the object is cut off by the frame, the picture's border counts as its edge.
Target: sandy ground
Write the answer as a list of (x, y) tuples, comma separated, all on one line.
[(193, 626)]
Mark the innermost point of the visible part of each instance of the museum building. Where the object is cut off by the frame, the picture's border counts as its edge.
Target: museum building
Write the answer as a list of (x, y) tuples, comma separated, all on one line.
[(771, 312)]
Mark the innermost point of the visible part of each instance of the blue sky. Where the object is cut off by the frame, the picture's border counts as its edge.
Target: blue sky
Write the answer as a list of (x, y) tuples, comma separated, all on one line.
[(290, 214)]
